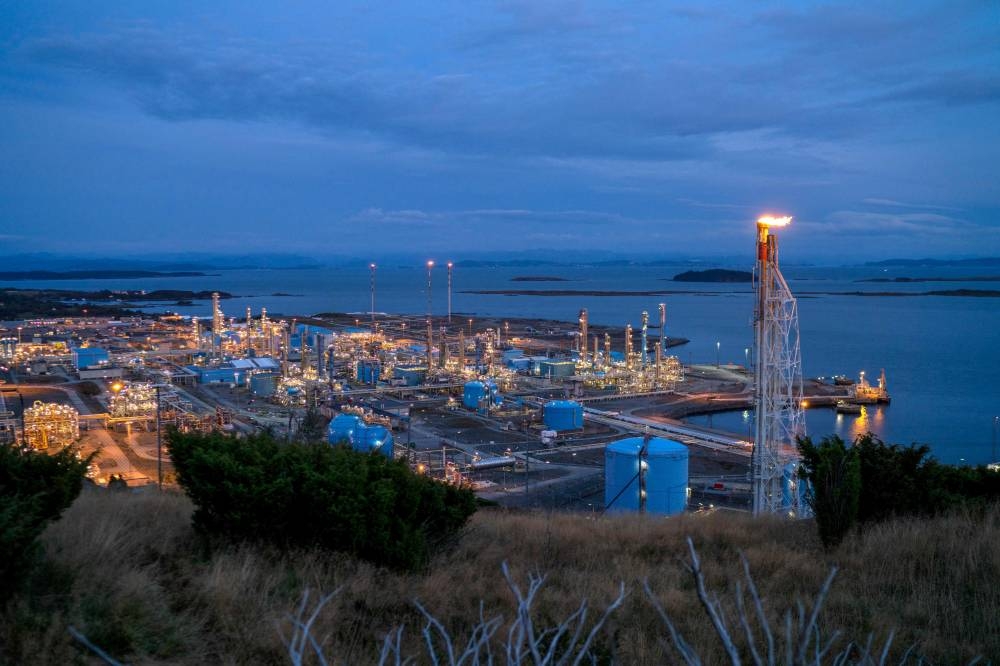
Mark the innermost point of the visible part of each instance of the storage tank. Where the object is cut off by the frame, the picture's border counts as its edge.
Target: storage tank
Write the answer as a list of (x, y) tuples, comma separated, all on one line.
[(343, 428), (472, 394), (792, 487), (666, 475), (621, 480), (475, 392), (373, 439), (263, 386), (563, 415)]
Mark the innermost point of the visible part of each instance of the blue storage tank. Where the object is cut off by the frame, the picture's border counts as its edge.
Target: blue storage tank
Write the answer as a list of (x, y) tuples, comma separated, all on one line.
[(666, 472), (621, 480), (476, 391), (563, 415), (792, 486), (373, 439), (472, 394), (667, 477), (263, 385), (343, 428)]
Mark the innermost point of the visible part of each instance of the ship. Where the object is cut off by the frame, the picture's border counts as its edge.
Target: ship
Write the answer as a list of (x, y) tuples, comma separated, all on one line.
[(866, 394), (844, 407)]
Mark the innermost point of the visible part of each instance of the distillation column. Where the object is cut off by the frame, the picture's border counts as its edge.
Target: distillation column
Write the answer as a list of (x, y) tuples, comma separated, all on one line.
[(645, 337), (778, 378), (583, 335), (628, 346)]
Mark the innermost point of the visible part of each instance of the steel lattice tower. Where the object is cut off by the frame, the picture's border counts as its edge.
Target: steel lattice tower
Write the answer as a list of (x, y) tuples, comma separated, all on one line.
[(778, 378)]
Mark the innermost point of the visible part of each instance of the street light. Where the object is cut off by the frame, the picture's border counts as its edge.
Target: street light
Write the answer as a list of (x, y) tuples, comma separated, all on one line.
[(450, 266), (470, 328), (718, 345), (372, 267), (746, 358), (430, 266)]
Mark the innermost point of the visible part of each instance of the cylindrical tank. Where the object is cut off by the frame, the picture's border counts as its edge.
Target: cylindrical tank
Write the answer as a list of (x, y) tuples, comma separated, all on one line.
[(665, 467), (621, 475), (343, 429), (793, 488), (473, 394), (563, 415), (263, 385), (667, 477)]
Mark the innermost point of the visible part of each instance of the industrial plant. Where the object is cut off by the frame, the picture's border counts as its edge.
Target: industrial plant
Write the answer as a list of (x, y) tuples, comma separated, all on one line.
[(528, 412)]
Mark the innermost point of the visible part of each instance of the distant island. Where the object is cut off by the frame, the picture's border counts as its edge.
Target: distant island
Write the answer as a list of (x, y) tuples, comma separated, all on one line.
[(977, 278), (95, 275), (538, 278), (714, 275), (28, 303)]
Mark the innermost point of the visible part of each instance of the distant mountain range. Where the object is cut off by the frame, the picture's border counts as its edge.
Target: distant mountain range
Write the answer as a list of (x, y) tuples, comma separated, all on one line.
[(42, 261)]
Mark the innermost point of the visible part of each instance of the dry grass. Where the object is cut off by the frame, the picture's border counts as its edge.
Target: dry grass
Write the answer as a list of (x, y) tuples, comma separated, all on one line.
[(128, 572)]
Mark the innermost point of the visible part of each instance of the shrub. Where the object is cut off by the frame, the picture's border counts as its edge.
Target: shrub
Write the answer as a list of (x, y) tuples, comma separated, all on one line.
[(906, 481), (35, 488), (294, 493), (834, 475)]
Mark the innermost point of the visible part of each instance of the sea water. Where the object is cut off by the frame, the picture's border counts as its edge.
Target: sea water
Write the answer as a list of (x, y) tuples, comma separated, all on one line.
[(941, 354)]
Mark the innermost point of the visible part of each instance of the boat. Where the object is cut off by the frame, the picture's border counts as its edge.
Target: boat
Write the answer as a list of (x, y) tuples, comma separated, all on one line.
[(842, 380), (844, 407), (866, 394)]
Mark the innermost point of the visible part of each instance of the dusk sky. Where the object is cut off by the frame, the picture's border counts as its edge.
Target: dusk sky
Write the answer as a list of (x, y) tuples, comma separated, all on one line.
[(327, 128)]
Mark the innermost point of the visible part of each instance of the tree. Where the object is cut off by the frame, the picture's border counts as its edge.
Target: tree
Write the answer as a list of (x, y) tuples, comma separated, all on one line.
[(312, 428), (35, 488), (308, 494), (833, 472)]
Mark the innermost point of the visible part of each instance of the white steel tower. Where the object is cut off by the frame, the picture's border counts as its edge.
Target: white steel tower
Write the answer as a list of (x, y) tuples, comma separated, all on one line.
[(778, 375)]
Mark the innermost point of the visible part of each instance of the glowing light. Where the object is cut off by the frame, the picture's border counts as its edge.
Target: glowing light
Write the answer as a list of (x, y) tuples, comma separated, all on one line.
[(773, 221), (430, 264)]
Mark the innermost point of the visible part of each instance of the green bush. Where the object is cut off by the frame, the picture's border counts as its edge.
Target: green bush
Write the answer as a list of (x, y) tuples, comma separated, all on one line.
[(833, 472), (885, 481), (906, 481), (294, 493), (35, 488)]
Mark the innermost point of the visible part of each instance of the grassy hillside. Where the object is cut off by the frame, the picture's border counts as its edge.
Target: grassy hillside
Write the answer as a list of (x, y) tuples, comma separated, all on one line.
[(129, 573)]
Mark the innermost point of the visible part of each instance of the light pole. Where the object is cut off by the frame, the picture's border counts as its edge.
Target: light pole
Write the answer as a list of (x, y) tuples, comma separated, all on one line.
[(718, 345), (470, 328), (19, 336), (159, 443), (450, 265), (430, 266), (371, 267), (746, 358)]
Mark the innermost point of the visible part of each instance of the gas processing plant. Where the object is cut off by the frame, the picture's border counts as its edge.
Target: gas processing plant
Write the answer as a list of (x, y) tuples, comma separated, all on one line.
[(530, 412)]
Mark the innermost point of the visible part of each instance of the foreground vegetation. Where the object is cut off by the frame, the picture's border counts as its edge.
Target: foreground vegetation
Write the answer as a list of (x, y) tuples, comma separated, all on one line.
[(265, 490), (130, 572)]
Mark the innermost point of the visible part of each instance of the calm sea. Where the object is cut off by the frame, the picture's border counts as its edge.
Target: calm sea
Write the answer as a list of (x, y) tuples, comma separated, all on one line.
[(941, 354)]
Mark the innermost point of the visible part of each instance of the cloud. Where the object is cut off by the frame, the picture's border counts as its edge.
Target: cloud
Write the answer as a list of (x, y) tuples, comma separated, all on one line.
[(902, 204)]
